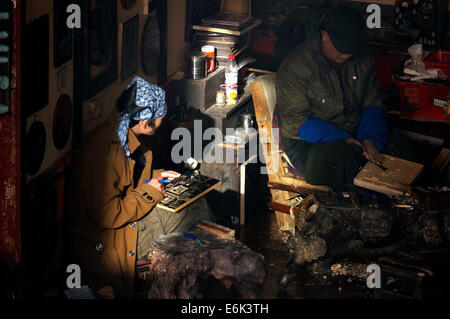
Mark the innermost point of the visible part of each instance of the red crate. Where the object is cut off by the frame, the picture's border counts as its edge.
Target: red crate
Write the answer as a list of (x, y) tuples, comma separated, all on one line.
[(386, 61), (416, 100), (438, 60), (384, 66)]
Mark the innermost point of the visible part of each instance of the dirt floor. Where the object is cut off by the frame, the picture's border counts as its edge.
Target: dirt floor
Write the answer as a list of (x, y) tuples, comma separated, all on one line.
[(345, 279), (341, 279)]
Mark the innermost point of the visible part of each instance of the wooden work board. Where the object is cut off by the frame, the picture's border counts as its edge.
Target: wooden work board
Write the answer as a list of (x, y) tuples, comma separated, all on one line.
[(396, 180), (186, 189)]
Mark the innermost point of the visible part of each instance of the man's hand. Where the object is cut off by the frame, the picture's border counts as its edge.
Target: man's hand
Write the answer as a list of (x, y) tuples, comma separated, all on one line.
[(155, 183), (352, 140), (371, 152), (170, 174)]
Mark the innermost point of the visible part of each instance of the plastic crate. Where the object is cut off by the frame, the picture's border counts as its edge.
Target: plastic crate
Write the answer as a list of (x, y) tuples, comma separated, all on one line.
[(384, 66), (416, 100), (386, 62), (438, 60)]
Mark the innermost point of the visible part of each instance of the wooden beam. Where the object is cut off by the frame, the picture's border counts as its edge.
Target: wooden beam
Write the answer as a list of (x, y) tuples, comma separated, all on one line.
[(294, 189), (260, 71), (216, 229), (282, 208)]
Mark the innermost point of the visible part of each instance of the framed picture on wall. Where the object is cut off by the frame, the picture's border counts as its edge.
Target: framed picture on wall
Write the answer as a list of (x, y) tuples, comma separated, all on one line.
[(128, 4), (98, 45), (35, 67), (154, 41), (62, 35), (130, 36)]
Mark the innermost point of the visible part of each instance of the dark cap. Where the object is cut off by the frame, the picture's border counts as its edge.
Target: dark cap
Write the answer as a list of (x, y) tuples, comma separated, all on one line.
[(346, 28)]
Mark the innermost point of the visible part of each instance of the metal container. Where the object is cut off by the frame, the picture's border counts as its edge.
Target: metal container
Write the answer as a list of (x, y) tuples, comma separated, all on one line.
[(196, 65)]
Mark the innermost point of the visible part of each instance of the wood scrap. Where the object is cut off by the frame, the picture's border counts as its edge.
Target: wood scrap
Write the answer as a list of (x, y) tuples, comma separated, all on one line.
[(216, 229), (282, 208), (260, 71), (396, 180)]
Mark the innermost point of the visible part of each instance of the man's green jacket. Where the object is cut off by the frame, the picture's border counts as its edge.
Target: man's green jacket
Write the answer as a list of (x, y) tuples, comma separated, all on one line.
[(308, 87)]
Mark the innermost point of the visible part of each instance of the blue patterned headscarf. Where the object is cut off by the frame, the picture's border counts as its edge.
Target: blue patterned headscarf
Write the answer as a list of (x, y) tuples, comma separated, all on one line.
[(152, 101)]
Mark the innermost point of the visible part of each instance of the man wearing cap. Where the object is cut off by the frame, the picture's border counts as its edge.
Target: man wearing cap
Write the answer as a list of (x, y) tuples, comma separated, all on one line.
[(331, 114), (113, 216)]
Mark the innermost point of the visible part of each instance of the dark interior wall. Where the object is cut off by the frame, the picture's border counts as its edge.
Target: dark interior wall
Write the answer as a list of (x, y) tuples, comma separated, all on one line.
[(44, 198), (93, 108), (267, 8), (196, 10), (176, 49), (273, 13)]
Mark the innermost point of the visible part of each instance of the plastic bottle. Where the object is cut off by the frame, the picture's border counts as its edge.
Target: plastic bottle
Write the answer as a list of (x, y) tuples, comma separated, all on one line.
[(231, 79)]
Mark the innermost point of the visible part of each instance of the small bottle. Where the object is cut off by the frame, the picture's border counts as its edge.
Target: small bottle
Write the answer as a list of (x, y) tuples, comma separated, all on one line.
[(221, 95), (231, 79)]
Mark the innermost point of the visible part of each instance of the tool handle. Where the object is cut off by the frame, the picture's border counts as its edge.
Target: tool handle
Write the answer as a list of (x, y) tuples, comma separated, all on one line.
[(192, 237)]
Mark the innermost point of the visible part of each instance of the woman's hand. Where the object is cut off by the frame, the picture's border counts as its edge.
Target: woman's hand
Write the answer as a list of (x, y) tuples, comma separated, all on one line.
[(170, 174), (155, 183), (371, 152)]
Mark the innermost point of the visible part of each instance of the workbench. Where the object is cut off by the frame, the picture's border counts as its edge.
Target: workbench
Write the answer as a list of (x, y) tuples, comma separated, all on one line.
[(240, 192)]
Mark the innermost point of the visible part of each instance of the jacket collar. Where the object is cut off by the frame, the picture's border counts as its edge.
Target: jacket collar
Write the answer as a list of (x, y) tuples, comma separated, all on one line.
[(133, 142), (315, 45)]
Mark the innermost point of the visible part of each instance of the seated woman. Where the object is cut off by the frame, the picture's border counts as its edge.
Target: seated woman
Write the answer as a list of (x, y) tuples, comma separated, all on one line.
[(113, 216)]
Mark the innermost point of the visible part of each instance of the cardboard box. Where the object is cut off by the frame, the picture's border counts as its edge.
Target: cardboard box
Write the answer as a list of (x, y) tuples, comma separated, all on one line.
[(237, 6)]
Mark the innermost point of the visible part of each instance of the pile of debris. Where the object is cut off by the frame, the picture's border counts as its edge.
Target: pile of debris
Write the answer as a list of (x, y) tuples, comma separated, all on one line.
[(349, 269), (366, 231)]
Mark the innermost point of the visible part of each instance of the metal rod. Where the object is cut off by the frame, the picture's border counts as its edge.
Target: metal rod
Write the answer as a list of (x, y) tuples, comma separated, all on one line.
[(242, 191)]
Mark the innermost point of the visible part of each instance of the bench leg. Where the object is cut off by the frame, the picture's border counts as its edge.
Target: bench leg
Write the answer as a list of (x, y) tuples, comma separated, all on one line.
[(284, 221)]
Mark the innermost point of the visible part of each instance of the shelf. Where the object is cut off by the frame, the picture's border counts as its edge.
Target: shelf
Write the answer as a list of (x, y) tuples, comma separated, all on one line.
[(225, 111)]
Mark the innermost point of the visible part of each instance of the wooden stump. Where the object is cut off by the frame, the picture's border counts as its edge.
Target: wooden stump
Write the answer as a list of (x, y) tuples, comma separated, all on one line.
[(178, 262)]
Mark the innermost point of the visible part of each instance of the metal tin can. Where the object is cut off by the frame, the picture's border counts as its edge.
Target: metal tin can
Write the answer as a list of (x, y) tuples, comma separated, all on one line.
[(196, 65)]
